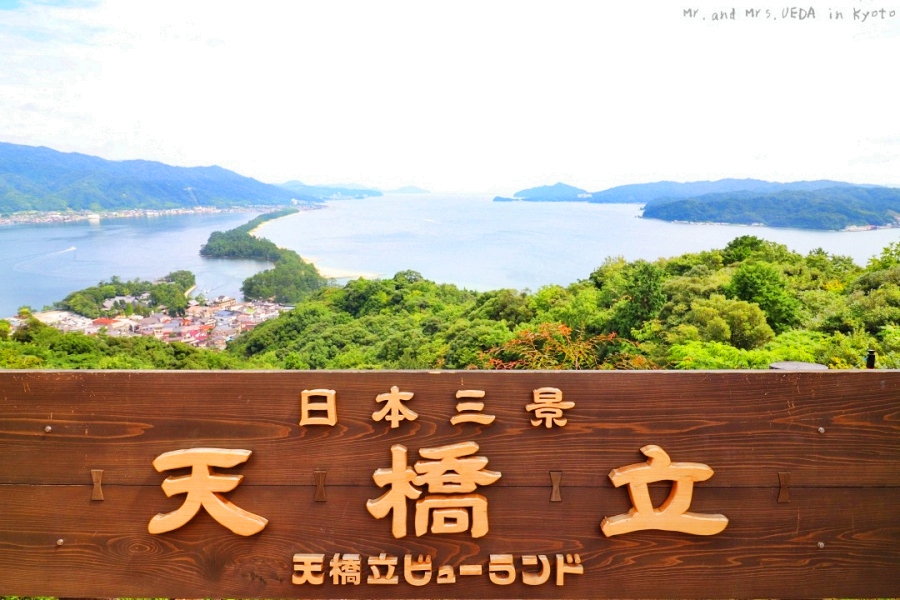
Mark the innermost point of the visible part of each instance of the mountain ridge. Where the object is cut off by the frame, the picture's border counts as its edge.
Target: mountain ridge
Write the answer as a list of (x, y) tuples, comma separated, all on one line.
[(42, 179)]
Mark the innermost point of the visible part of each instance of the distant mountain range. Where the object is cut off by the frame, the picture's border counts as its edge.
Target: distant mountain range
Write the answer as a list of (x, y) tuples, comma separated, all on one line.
[(662, 191), (408, 189), (38, 178), (321, 192), (43, 179), (819, 204), (346, 191)]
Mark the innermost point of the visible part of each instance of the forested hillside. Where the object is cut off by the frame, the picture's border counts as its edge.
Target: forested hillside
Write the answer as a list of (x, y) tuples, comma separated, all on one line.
[(833, 208), (744, 306), (38, 178), (290, 280)]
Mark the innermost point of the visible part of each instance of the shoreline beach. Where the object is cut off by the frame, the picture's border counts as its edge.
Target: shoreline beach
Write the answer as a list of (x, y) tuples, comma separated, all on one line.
[(325, 271)]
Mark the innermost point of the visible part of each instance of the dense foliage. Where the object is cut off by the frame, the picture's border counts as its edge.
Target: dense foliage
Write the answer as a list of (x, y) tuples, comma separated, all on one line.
[(831, 208), (289, 281), (239, 243), (744, 306), (131, 297), (39, 346)]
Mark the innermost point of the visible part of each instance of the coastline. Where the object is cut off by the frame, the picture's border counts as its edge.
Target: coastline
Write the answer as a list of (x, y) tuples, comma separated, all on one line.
[(56, 217), (847, 229)]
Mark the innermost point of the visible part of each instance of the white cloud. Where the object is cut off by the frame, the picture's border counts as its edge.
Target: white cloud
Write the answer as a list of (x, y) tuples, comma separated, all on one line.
[(454, 95)]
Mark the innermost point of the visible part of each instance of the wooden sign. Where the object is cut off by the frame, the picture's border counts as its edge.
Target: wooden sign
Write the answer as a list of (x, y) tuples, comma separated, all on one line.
[(466, 484)]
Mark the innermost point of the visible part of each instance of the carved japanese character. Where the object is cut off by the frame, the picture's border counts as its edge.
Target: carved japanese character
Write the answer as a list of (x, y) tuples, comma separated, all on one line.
[(452, 470), (470, 412), (501, 569), (389, 564), (328, 406), (568, 564), (529, 578), (411, 567), (548, 407), (446, 574), (345, 569), (394, 409), (202, 487), (306, 567), (673, 515)]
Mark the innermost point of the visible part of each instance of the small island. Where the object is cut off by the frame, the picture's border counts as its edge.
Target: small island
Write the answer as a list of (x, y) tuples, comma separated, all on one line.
[(818, 205), (834, 209)]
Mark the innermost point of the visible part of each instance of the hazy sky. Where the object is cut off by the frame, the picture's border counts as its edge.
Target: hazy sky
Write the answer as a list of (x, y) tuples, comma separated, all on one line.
[(480, 95)]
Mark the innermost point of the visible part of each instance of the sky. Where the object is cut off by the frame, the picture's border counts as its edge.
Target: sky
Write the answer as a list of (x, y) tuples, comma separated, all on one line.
[(470, 96)]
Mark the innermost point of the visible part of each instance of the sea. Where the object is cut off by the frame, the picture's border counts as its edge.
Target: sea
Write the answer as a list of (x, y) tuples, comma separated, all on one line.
[(476, 243), (467, 240), (41, 264)]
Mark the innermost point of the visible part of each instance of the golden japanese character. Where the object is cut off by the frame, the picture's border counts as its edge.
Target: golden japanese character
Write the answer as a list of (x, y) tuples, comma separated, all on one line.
[(328, 406), (548, 407), (470, 569), (389, 563), (535, 578), (394, 410), (202, 487), (470, 412), (453, 471), (568, 564), (501, 569), (345, 569), (400, 478), (411, 567), (673, 514), (306, 566), (446, 574), (455, 475)]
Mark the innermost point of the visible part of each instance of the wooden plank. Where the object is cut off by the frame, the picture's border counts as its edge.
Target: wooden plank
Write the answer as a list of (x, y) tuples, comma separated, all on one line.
[(825, 429), (768, 549)]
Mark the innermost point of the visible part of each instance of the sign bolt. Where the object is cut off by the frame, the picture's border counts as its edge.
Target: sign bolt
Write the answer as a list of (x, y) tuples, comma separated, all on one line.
[(48, 429), (821, 545), (60, 542), (821, 430)]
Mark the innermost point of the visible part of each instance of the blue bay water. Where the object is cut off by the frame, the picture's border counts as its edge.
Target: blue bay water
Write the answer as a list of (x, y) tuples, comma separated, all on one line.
[(473, 242), (467, 240), (41, 264)]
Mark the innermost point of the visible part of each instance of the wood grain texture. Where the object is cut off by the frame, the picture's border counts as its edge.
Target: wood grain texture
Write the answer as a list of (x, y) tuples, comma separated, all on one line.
[(836, 433), (747, 426), (768, 550)]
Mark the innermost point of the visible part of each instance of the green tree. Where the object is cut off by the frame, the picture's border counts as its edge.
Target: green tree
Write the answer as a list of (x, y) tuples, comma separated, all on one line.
[(736, 322), (185, 280), (642, 297), (763, 284), (889, 257), (504, 305), (171, 296)]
